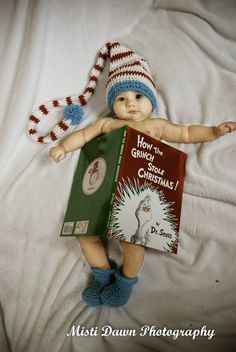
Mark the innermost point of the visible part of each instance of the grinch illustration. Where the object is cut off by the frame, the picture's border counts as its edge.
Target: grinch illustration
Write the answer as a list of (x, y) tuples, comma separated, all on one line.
[(143, 215), (94, 174)]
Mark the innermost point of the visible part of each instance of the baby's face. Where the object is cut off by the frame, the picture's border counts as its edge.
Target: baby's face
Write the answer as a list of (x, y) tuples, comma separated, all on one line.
[(132, 106)]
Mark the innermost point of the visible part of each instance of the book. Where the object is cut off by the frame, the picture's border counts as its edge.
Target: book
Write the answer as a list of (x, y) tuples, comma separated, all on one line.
[(128, 186)]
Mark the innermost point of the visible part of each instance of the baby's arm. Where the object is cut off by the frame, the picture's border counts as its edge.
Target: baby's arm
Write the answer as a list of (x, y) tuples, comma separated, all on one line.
[(194, 133), (76, 140)]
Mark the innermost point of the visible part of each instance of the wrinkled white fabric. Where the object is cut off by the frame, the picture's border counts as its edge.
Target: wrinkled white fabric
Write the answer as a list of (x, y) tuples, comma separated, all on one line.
[(47, 49)]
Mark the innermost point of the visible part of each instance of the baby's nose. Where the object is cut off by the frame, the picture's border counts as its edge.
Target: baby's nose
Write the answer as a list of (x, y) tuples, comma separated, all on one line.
[(130, 102)]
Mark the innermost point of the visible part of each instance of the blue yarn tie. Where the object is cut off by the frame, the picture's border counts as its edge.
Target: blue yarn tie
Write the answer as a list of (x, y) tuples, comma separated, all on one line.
[(74, 113)]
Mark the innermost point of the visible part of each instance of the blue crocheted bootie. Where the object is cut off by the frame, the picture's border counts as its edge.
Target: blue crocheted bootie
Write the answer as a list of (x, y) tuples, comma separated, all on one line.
[(101, 278), (118, 293)]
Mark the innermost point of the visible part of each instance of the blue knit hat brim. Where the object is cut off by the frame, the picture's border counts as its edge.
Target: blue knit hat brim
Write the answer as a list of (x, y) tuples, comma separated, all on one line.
[(132, 85)]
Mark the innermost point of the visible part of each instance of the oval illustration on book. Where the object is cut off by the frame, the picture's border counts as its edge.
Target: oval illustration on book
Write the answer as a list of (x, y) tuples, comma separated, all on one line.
[(94, 176)]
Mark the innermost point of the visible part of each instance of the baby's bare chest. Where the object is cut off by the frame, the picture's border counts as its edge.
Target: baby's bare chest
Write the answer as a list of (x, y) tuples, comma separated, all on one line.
[(149, 127)]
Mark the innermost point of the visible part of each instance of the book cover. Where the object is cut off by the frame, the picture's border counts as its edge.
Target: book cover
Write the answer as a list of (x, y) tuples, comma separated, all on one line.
[(146, 208), (128, 186)]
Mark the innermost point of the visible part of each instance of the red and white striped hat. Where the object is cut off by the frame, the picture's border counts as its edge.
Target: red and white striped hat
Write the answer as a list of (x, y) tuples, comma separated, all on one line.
[(127, 71)]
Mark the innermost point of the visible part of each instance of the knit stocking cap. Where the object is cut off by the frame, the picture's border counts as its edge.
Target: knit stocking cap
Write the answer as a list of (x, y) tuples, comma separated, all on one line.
[(127, 71)]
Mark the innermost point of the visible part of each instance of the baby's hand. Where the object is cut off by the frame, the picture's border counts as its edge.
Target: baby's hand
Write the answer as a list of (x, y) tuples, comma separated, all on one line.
[(57, 153), (226, 127)]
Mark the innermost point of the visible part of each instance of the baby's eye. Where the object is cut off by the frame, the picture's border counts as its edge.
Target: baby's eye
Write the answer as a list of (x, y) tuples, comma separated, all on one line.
[(121, 99), (139, 96)]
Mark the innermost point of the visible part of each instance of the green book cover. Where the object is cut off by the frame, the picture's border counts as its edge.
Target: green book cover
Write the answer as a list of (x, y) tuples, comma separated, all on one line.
[(91, 193), (128, 186)]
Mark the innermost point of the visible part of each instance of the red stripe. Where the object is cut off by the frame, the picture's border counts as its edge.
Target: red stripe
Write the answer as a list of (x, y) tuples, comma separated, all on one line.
[(55, 103), (93, 78), (124, 66), (98, 68), (69, 100), (53, 136), (90, 90), (43, 109), (108, 46), (34, 119), (132, 73), (32, 131), (114, 44), (40, 139), (63, 126), (82, 100), (121, 55), (103, 56)]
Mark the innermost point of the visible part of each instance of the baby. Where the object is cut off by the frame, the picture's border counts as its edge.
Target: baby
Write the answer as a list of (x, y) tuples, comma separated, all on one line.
[(133, 109), (132, 100)]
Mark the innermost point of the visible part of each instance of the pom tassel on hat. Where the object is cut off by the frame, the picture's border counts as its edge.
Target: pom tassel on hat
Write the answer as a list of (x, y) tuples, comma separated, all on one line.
[(73, 114)]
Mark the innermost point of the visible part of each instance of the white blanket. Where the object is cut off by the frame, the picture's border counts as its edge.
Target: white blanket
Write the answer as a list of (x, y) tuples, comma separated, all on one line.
[(47, 49)]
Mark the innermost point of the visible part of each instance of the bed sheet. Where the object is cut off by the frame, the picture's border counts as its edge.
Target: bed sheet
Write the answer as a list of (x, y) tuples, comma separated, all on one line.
[(47, 49)]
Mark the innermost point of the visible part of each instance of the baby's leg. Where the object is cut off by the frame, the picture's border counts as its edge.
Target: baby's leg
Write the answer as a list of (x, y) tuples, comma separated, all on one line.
[(95, 254), (133, 256), (118, 293), (94, 251)]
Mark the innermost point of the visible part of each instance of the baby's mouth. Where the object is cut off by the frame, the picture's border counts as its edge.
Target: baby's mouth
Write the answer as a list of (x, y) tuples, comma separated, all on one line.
[(133, 111)]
